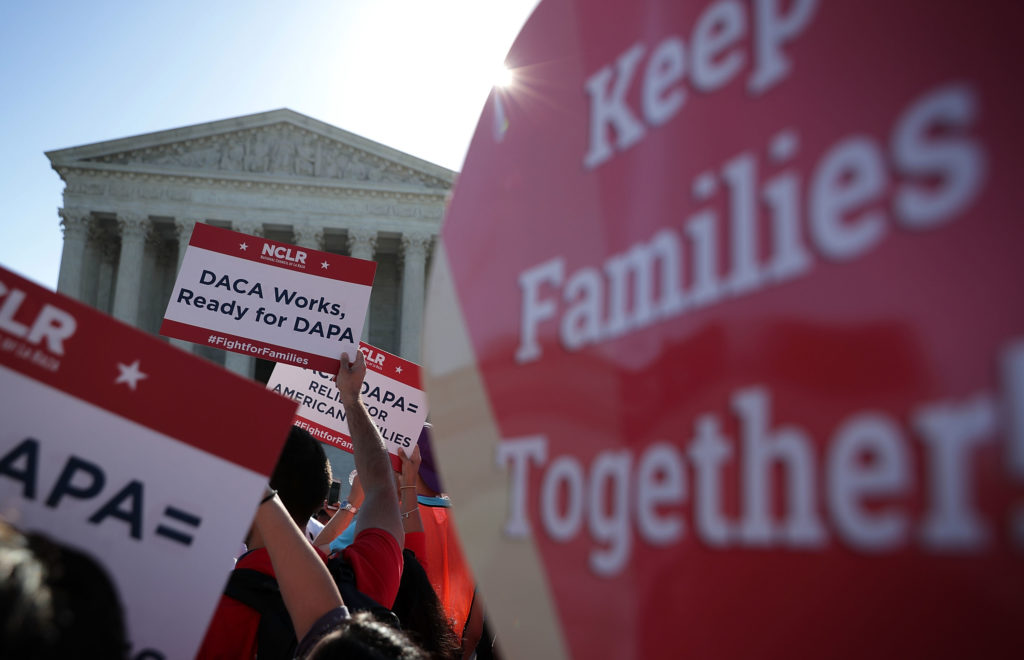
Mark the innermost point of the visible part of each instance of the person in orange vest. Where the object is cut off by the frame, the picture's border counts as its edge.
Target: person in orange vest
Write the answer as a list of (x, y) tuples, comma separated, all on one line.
[(446, 566)]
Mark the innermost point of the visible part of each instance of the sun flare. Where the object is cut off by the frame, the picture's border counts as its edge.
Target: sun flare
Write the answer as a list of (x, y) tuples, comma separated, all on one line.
[(503, 77)]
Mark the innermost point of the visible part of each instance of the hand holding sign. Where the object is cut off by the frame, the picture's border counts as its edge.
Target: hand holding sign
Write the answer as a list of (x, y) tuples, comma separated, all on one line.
[(411, 467), (350, 378)]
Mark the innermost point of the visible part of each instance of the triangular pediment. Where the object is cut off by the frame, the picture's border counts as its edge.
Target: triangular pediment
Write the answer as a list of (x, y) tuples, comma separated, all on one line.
[(278, 145)]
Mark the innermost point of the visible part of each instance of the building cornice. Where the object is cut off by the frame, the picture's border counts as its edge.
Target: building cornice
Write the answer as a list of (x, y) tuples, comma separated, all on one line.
[(151, 174)]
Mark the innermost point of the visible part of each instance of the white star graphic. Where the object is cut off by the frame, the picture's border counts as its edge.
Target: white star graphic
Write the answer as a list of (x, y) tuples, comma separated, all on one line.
[(398, 370), (324, 265), (130, 374), (243, 247)]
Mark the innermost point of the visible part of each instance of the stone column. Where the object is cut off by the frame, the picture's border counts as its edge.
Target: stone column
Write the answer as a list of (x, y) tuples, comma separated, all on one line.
[(91, 265), (243, 365), (248, 227), (75, 224), (150, 289), (184, 228), (105, 276), (414, 252), (361, 244), (129, 267), (308, 237)]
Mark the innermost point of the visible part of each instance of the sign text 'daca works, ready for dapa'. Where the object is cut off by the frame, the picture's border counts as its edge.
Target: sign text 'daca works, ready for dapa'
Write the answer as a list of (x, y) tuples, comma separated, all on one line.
[(121, 446), (270, 300)]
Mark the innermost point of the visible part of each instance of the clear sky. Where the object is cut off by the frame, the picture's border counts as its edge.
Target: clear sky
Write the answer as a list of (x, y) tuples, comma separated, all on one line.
[(411, 74)]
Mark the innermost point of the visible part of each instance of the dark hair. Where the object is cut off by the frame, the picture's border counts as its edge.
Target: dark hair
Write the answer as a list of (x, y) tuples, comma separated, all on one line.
[(302, 476), (422, 614), (55, 602), (363, 637)]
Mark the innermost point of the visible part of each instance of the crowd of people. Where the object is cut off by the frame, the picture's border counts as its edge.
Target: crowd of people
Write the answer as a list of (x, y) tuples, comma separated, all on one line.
[(384, 577)]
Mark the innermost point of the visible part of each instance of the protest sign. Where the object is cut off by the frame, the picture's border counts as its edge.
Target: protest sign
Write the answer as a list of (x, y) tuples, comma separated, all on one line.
[(119, 445), (724, 329), (269, 300), (392, 393)]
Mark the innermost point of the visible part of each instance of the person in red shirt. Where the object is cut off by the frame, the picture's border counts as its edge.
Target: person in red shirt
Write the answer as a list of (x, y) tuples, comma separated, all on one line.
[(302, 479)]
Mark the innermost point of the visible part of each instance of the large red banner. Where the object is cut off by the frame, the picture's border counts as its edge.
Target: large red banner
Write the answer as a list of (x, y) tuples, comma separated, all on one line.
[(747, 330)]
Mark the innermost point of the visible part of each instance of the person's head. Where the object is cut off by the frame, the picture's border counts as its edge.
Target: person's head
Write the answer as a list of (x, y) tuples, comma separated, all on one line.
[(363, 637), (55, 601), (302, 476)]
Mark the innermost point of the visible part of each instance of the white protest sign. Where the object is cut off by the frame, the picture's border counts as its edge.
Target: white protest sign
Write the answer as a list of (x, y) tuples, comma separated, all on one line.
[(392, 393), (126, 448), (267, 299)]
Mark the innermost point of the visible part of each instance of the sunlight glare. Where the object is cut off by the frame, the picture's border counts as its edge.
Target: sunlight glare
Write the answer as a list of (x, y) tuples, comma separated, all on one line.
[(503, 77)]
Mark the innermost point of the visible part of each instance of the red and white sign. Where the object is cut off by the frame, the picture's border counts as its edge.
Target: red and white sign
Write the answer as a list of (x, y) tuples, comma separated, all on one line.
[(726, 326), (119, 445), (269, 300), (392, 393)]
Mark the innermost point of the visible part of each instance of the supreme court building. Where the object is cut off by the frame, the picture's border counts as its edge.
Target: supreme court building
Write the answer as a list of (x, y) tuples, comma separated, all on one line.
[(130, 205)]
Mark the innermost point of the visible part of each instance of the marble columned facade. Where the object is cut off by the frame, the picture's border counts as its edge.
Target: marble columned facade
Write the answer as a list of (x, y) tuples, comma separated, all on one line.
[(130, 206)]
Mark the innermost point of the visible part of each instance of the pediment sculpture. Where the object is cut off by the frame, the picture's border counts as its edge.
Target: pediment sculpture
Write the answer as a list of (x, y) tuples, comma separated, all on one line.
[(281, 150)]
